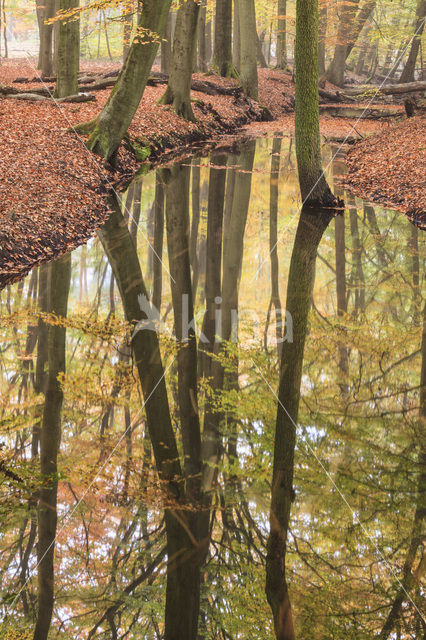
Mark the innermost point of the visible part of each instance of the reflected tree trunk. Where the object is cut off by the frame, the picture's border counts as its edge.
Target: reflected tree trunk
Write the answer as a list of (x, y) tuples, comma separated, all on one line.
[(182, 592), (275, 301), (50, 437), (312, 225), (412, 575), (216, 201)]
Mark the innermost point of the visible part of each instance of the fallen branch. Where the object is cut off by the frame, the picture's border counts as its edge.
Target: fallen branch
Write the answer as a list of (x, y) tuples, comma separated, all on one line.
[(386, 89)]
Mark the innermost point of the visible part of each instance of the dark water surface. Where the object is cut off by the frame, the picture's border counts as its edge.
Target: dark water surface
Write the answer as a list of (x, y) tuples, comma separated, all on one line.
[(227, 246)]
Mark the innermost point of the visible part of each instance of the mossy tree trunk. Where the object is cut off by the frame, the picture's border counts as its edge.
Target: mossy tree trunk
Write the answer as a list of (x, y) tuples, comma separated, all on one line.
[(282, 35), (109, 129), (50, 437), (178, 92), (248, 38), (68, 59), (313, 185), (312, 225)]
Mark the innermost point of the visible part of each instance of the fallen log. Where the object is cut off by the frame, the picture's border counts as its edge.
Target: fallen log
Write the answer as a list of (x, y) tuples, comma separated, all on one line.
[(13, 91), (370, 113), (386, 89), (78, 97), (26, 96), (334, 96)]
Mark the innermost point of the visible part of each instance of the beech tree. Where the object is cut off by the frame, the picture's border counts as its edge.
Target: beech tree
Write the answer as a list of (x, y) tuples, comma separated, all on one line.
[(68, 60), (178, 92), (248, 38), (407, 74), (109, 128), (313, 185), (222, 52)]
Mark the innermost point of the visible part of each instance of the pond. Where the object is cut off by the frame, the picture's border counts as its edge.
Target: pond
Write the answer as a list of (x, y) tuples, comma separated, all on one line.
[(216, 272)]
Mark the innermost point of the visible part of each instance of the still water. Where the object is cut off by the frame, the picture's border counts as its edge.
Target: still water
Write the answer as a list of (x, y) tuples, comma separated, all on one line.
[(215, 273)]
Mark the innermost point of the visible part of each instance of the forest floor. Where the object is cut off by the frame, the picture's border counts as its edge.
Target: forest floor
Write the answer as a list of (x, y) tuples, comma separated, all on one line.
[(52, 187)]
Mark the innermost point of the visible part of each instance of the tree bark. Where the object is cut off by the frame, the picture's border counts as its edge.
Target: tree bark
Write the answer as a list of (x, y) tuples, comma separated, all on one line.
[(313, 185), (50, 437), (166, 46), (300, 285), (68, 59), (361, 18), (47, 11), (336, 70), (282, 35), (248, 35), (202, 39), (322, 35), (222, 53), (178, 92)]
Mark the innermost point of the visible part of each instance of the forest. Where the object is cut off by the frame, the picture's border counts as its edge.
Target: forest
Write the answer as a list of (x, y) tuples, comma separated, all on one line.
[(212, 319)]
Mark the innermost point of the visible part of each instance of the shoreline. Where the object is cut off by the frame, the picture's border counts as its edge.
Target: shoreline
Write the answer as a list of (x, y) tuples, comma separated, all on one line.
[(52, 194)]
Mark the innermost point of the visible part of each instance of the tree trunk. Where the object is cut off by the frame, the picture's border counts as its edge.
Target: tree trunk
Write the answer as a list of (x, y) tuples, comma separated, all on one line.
[(68, 59), (407, 74), (184, 553), (236, 42), (336, 70), (202, 40), (362, 16), (50, 437), (313, 185), (248, 35), (222, 54), (322, 35), (282, 35), (47, 11), (178, 92), (111, 125), (182, 590), (359, 69), (127, 31), (417, 534), (166, 46), (300, 285)]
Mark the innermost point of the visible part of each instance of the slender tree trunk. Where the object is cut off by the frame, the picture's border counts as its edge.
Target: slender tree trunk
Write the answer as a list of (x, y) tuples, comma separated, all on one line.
[(236, 41), (108, 130), (322, 35), (407, 74), (68, 59), (59, 279), (313, 185), (202, 41), (282, 35), (166, 46), (47, 11), (222, 54), (178, 92), (275, 301), (216, 201), (248, 35), (300, 285), (359, 69), (158, 243)]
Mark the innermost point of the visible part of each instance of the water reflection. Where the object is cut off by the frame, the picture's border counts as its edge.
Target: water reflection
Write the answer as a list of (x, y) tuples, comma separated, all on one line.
[(162, 483)]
